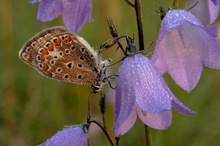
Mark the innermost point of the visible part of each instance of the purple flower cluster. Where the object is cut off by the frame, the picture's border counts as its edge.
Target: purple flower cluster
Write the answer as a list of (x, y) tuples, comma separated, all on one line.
[(74, 12), (184, 45)]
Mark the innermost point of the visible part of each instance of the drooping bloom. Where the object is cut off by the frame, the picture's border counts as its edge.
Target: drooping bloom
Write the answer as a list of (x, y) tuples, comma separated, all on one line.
[(142, 91), (74, 12), (184, 46), (206, 11), (69, 136)]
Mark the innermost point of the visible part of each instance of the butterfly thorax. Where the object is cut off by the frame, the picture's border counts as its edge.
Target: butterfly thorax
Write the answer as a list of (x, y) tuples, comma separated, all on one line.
[(101, 76)]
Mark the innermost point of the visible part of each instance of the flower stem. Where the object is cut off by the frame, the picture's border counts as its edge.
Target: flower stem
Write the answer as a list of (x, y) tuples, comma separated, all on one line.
[(136, 5), (137, 8), (88, 115), (104, 130), (148, 135)]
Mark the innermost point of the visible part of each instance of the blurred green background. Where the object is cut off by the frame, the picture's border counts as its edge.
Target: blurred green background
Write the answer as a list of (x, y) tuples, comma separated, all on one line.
[(33, 108)]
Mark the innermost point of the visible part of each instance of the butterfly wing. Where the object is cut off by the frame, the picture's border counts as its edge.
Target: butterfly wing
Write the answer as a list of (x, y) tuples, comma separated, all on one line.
[(57, 53)]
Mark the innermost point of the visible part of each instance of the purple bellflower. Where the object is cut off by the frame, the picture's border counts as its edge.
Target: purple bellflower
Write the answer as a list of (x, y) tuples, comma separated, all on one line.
[(141, 90), (69, 136), (184, 46), (206, 11), (74, 12)]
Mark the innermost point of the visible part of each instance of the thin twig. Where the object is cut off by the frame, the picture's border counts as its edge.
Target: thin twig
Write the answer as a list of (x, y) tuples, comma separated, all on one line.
[(193, 6), (104, 130), (139, 24), (129, 3)]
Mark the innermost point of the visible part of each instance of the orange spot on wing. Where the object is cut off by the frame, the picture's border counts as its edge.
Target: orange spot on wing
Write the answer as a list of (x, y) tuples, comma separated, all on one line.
[(45, 67), (42, 58), (50, 47), (44, 52), (57, 42), (68, 38)]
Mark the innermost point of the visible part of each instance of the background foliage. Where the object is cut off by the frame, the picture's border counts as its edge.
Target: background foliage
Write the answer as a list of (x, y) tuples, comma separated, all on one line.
[(33, 108)]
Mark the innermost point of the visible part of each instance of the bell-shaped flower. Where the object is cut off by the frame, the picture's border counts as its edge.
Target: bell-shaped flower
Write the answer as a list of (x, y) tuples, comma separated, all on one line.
[(184, 46), (141, 90), (69, 136), (206, 11), (74, 12)]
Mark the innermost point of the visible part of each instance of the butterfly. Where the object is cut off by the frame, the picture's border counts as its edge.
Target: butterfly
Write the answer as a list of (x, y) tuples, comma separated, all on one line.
[(58, 54)]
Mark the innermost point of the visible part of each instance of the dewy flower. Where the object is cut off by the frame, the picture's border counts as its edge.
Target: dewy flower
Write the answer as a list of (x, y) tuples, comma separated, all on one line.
[(206, 11), (184, 46), (142, 91), (74, 12), (69, 136)]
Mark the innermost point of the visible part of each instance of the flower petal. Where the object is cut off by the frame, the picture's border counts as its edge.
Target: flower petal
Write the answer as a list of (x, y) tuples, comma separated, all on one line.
[(174, 18), (127, 124), (69, 136), (159, 121), (151, 91), (159, 59), (125, 98), (49, 9), (216, 2), (213, 10), (177, 105), (211, 30), (181, 58), (205, 44), (75, 13)]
